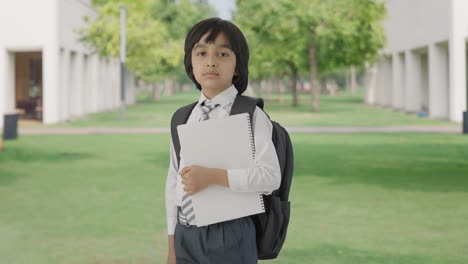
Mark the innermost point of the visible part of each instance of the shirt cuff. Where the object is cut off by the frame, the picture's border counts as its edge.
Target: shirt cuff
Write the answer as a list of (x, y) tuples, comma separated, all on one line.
[(171, 225), (238, 181)]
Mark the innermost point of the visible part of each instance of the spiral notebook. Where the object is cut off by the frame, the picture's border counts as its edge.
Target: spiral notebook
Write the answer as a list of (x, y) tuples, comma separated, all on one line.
[(225, 143)]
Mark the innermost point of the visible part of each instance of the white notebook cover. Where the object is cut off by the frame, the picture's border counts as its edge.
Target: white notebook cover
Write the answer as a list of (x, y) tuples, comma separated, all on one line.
[(225, 143)]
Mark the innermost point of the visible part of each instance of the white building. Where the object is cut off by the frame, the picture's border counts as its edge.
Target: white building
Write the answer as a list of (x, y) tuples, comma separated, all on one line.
[(45, 72), (424, 65)]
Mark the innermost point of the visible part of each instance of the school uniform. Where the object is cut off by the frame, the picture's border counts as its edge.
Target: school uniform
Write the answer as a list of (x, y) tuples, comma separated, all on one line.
[(231, 241)]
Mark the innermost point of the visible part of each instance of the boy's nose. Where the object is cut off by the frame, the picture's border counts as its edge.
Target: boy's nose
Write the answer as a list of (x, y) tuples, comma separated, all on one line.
[(211, 62)]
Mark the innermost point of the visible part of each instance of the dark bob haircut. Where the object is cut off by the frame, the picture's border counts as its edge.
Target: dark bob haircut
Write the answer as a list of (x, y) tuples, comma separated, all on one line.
[(236, 39)]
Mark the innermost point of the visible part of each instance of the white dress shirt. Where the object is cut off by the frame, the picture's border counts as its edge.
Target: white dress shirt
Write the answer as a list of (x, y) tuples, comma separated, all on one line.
[(264, 177)]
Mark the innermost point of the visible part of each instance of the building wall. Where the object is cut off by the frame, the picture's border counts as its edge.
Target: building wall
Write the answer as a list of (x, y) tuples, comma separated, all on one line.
[(76, 81), (427, 40), (414, 24), (70, 17), (457, 59), (17, 35)]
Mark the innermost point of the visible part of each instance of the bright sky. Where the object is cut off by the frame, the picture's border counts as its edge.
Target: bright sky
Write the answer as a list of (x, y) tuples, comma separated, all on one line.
[(224, 7)]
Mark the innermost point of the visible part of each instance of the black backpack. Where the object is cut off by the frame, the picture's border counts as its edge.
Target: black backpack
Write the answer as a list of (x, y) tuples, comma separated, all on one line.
[(271, 226)]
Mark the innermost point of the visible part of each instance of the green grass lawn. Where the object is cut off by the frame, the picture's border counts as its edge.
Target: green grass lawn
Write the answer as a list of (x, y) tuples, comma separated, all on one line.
[(359, 198), (344, 110)]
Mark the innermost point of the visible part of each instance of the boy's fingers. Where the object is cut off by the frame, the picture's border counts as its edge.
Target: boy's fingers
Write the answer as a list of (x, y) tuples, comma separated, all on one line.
[(188, 189), (185, 170)]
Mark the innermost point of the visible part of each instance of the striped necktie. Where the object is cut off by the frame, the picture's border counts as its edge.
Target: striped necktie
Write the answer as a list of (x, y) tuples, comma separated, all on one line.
[(186, 214), (207, 106)]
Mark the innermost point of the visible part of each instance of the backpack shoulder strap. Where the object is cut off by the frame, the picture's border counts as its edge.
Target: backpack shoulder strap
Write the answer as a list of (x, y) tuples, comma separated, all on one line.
[(246, 104), (180, 117)]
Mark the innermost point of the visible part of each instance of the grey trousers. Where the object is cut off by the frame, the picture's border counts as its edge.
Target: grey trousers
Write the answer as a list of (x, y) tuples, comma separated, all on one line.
[(223, 243)]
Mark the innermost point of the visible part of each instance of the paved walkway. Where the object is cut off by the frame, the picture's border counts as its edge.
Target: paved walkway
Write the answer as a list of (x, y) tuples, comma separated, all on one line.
[(143, 130)]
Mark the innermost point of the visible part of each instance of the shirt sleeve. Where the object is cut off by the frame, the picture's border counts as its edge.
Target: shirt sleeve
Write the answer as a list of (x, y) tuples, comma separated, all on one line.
[(265, 176), (171, 183)]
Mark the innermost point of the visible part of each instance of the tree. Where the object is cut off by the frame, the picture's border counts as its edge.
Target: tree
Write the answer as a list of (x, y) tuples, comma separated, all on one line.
[(155, 34), (329, 34), (272, 33)]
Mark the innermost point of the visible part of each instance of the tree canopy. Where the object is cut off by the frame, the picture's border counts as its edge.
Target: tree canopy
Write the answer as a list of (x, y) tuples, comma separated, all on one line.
[(315, 36), (155, 33)]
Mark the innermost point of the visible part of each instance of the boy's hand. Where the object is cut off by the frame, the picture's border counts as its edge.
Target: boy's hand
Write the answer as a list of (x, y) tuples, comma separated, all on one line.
[(171, 258), (196, 178)]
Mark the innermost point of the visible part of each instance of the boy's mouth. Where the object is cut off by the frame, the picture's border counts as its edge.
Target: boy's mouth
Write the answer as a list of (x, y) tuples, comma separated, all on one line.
[(211, 73)]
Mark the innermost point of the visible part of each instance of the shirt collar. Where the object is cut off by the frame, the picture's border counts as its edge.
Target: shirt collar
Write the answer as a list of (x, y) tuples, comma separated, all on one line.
[(224, 98)]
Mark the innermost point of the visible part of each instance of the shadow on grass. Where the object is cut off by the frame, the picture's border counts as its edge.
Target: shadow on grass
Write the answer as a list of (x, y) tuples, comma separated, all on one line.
[(8, 176), (422, 167), (326, 253), (14, 156), (158, 159), (304, 107), (36, 155)]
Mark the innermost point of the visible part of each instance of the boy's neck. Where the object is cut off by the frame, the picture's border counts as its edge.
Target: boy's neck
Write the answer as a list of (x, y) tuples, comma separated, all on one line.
[(212, 93)]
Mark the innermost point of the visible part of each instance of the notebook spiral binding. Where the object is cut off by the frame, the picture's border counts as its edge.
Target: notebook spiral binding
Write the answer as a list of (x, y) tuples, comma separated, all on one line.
[(252, 144), (262, 201)]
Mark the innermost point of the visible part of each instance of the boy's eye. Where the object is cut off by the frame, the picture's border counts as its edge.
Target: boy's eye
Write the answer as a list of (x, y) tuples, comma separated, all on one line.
[(200, 53), (223, 54)]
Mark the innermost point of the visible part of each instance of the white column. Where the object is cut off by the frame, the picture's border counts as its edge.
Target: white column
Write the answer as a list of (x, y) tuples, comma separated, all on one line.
[(94, 81), (7, 83), (388, 82), (370, 83), (398, 81), (110, 89), (457, 60), (50, 65), (413, 87), (85, 84), (113, 87), (438, 82), (64, 106), (3, 82), (380, 82), (105, 88), (78, 84), (116, 82), (72, 85), (102, 87), (51, 84)]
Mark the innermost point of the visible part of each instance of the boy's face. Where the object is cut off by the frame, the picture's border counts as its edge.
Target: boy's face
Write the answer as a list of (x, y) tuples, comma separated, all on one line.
[(214, 65)]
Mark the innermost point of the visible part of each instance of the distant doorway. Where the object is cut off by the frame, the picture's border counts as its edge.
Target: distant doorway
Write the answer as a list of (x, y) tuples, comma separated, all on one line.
[(28, 85)]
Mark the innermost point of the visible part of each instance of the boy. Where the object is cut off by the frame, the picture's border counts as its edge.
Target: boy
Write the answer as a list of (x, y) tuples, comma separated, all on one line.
[(216, 60)]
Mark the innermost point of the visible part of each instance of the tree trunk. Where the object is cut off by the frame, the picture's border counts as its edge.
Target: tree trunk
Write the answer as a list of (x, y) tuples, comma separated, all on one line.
[(353, 80), (269, 85), (275, 88), (263, 89), (168, 87), (256, 88), (348, 81), (156, 91), (293, 82), (370, 82), (314, 88), (281, 90)]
